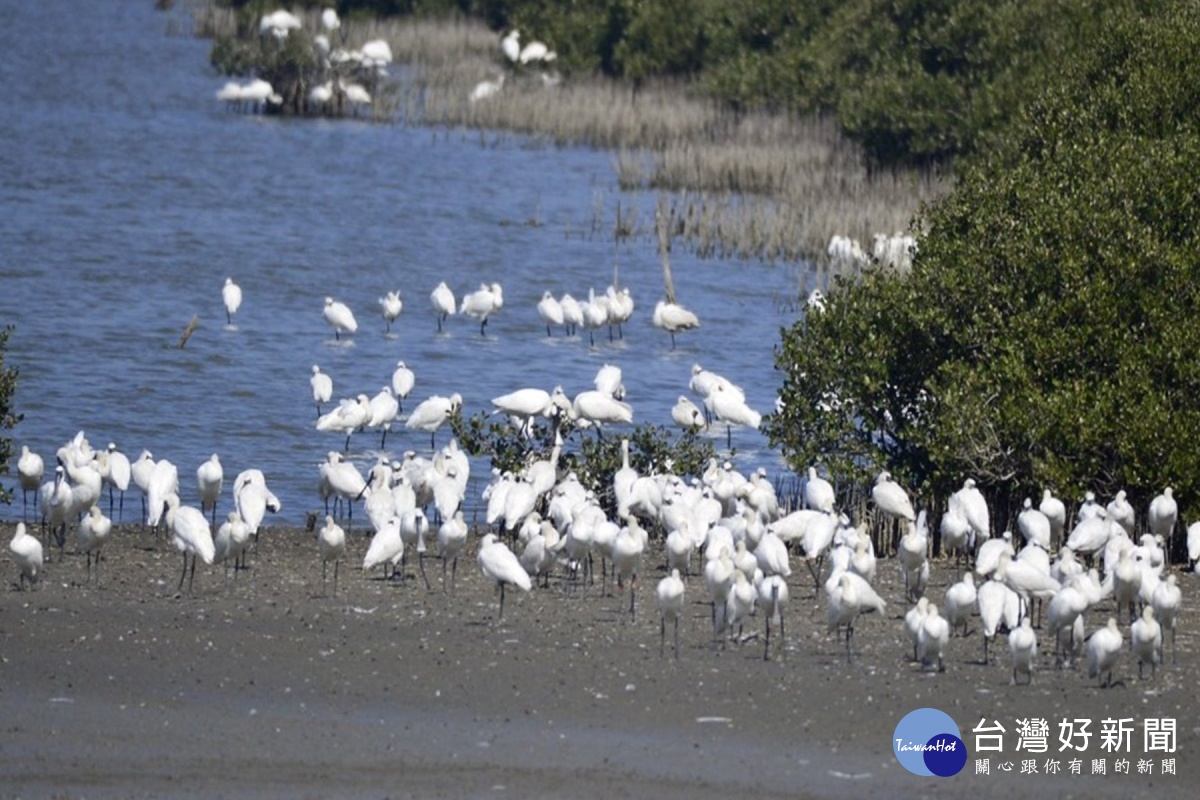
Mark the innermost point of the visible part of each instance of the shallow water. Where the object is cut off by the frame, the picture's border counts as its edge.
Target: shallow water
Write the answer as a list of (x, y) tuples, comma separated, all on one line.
[(131, 194)]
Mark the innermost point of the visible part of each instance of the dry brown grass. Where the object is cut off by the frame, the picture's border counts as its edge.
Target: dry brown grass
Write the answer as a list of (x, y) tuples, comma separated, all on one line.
[(755, 185)]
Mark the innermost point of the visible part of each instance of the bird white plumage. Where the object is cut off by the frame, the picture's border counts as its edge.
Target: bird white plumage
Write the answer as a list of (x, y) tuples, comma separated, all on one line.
[(231, 295)]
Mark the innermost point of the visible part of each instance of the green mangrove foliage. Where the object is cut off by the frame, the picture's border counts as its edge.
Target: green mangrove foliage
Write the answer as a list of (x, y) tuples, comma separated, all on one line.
[(1046, 335), (912, 81)]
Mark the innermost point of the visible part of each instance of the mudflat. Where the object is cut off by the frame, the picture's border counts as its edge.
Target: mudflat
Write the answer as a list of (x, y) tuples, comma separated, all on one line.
[(263, 683)]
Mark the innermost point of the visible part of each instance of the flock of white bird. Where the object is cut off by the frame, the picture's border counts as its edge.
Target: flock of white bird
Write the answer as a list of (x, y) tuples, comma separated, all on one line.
[(534, 55), (895, 251), (345, 66), (725, 529)]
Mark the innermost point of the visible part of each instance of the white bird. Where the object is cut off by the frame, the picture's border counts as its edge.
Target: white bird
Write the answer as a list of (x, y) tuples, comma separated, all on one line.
[(1090, 535), (27, 551), (164, 481), (1162, 515), (595, 315), (140, 471), (343, 479), (1103, 651), (932, 638), (340, 317), (535, 51), (451, 539), (486, 89), (511, 45), (209, 478), (572, 313), (386, 547), (30, 468), (975, 508), (231, 294), (891, 499), (673, 318), (687, 415), (431, 414), (252, 499), (1056, 512), (190, 534), (229, 543), (818, 492), (1121, 512), (913, 618), (1064, 609), (54, 498), (1166, 602), (998, 605), (1034, 525), (847, 599), (120, 472), (482, 303), (1193, 543), (390, 305), (330, 20), (502, 566), (608, 381), (403, 381), (550, 310), (772, 598), (669, 594), (413, 527), (1089, 509), (384, 408), (620, 308), (443, 303), (598, 408), (1022, 645), (377, 51), (960, 602), (524, 405), (348, 417), (1026, 580), (90, 536), (731, 409), (627, 550), (1145, 639), (912, 554), (322, 387)]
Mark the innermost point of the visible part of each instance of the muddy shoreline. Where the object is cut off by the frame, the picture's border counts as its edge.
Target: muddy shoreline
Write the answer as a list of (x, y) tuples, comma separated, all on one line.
[(260, 684)]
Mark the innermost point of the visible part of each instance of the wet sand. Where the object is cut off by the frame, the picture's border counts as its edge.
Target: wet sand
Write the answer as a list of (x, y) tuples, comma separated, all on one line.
[(261, 684)]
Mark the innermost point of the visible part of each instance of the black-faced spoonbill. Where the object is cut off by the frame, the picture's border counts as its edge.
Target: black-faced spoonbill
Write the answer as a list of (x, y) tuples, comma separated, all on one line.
[(1022, 645), (209, 478), (443, 303), (322, 387), (331, 542), (670, 604), (1103, 652), (431, 414), (502, 566), (30, 468), (27, 551), (673, 318), (231, 294), (340, 317), (190, 534), (390, 305)]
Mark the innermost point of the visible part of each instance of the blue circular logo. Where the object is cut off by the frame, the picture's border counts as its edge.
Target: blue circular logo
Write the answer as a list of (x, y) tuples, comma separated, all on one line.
[(927, 742)]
